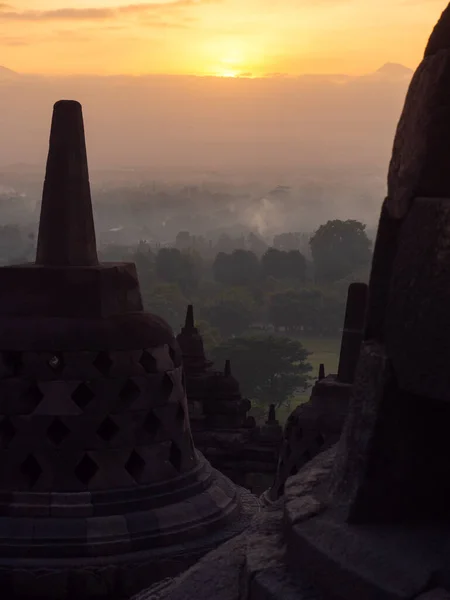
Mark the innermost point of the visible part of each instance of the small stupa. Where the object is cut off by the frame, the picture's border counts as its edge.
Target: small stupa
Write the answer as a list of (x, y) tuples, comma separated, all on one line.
[(317, 424)]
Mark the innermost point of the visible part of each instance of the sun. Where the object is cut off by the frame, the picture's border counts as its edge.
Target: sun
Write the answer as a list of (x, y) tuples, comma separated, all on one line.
[(228, 73), (232, 58)]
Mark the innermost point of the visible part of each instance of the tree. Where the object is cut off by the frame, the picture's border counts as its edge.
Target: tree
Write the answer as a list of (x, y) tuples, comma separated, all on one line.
[(309, 310), (167, 301), (211, 335), (231, 312), (284, 265), (256, 244), (144, 259), (270, 369), (338, 248), (288, 241), (240, 268), (177, 267)]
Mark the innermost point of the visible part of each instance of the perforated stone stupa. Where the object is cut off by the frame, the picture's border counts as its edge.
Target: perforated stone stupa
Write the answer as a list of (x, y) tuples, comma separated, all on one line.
[(101, 489)]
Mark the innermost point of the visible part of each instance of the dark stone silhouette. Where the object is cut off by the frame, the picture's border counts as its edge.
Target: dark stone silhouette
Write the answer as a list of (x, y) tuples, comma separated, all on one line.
[(101, 489), (317, 425), (352, 334), (221, 427), (321, 372), (66, 227)]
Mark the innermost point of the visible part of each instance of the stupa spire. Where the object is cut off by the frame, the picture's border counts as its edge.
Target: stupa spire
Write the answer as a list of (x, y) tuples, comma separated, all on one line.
[(227, 370), (66, 228), (189, 322)]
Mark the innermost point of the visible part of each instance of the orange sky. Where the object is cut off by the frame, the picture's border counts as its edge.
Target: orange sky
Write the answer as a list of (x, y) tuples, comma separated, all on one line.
[(213, 37)]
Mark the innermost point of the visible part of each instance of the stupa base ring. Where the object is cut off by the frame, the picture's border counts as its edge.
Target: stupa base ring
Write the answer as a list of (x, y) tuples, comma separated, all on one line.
[(139, 549)]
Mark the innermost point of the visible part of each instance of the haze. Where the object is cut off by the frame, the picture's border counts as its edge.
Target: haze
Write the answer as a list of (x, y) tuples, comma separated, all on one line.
[(298, 94)]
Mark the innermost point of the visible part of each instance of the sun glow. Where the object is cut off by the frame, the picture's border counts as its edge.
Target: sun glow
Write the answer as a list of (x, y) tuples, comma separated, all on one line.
[(232, 58), (228, 73)]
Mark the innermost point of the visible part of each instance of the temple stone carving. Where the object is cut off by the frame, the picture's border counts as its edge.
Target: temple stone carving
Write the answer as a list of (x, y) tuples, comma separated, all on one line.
[(316, 425), (222, 428), (102, 491)]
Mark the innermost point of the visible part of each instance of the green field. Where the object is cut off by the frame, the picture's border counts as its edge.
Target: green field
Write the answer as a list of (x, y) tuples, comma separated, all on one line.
[(323, 350)]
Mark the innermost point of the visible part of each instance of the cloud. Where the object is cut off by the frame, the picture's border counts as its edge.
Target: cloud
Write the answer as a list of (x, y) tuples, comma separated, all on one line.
[(8, 13)]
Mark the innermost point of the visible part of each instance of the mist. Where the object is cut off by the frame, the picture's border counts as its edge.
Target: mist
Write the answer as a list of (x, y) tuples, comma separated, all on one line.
[(169, 153)]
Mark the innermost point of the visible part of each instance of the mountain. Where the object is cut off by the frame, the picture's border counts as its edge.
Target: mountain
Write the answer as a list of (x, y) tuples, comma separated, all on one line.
[(7, 73), (394, 71)]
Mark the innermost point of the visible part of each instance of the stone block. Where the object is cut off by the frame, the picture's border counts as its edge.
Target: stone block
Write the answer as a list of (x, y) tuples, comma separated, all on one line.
[(417, 319), (96, 291)]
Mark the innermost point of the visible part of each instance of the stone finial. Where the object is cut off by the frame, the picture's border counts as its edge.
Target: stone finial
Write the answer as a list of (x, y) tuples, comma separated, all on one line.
[(227, 370), (271, 418), (321, 372), (189, 322), (353, 332), (66, 228)]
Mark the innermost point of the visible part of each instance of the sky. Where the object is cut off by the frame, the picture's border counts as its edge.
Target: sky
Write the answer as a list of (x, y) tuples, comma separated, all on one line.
[(225, 38)]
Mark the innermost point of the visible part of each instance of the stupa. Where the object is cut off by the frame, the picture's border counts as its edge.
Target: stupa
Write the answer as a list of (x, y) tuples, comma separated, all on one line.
[(101, 489), (222, 428), (317, 424), (196, 368)]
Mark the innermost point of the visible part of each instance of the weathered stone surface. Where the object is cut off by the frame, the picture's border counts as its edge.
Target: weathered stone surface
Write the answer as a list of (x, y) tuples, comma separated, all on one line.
[(217, 575), (436, 594), (420, 154), (374, 563), (417, 316)]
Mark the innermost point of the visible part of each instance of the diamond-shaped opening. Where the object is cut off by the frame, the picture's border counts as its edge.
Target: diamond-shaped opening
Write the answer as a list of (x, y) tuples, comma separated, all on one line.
[(175, 456), (166, 386), (31, 398), (148, 362), (135, 466), (130, 391), (152, 423), (7, 432), (86, 470), (320, 440), (13, 360), (108, 430), (31, 471), (57, 432), (82, 395), (56, 363), (103, 363)]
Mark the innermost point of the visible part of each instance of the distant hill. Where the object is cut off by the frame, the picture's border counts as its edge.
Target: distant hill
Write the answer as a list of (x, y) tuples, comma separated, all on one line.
[(394, 71), (7, 73)]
